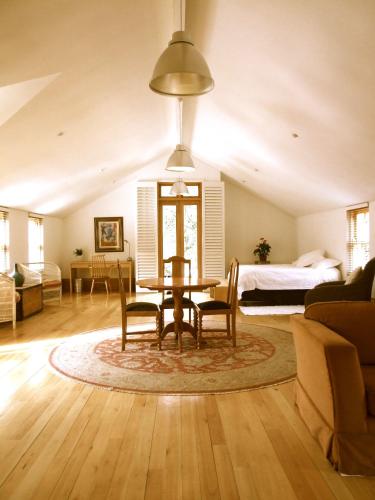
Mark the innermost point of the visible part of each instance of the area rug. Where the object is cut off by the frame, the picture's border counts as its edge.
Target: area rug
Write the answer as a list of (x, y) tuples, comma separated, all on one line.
[(263, 356), (271, 310)]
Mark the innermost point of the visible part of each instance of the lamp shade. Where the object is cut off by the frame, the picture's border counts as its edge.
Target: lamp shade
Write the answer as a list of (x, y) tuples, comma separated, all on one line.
[(181, 70), (180, 160), (179, 188)]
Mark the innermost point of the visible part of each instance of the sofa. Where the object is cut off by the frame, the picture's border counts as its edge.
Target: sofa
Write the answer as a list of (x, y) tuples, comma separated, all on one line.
[(360, 289), (335, 385)]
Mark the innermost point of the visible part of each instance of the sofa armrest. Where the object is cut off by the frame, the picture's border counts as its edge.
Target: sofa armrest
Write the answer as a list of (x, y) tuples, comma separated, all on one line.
[(328, 370), (330, 283), (336, 292)]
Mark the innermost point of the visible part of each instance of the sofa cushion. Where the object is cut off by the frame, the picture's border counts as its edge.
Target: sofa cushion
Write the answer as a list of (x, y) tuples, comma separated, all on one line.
[(368, 373), (353, 320)]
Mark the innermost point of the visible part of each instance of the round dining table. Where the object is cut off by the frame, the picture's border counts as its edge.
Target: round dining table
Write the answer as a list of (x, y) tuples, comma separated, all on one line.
[(178, 286)]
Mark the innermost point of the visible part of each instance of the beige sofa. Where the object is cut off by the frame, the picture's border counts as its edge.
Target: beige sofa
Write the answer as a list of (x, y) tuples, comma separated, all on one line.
[(335, 386)]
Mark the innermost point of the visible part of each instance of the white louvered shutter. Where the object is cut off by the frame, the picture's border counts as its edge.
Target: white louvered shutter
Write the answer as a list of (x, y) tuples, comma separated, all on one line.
[(213, 230), (147, 236)]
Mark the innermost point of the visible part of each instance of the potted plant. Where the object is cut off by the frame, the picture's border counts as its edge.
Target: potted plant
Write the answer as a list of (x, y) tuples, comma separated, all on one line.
[(78, 252), (262, 249)]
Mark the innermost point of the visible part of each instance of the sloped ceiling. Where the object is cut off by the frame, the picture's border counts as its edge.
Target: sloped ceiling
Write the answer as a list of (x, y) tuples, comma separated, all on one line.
[(292, 115)]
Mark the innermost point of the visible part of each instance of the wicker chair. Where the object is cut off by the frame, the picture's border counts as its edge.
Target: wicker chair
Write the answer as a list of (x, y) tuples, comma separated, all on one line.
[(47, 273), (7, 299)]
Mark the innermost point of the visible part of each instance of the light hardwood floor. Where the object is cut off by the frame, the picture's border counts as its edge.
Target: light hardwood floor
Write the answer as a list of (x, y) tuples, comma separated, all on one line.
[(60, 439)]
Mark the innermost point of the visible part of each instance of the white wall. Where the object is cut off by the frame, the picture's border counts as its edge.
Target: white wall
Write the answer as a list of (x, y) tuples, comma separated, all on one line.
[(18, 237), (248, 218), (328, 231)]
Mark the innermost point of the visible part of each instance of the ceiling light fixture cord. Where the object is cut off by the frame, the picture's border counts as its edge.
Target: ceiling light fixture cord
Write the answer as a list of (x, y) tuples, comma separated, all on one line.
[(181, 23)]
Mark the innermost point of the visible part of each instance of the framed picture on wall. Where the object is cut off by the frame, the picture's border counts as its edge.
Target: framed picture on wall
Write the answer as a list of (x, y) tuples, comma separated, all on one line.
[(109, 234)]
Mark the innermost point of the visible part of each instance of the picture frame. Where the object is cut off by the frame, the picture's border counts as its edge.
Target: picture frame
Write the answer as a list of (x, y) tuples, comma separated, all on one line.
[(109, 234)]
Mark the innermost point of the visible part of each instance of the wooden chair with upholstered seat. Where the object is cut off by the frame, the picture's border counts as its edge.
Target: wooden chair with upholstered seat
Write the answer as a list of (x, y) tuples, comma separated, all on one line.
[(99, 272), (137, 309), (216, 307), (178, 271)]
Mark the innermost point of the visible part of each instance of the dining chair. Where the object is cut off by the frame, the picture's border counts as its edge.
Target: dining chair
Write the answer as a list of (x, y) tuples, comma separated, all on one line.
[(137, 309), (216, 307), (99, 272), (177, 264)]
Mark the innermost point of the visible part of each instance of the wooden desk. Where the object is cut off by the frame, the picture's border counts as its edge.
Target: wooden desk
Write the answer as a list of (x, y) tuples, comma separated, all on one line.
[(178, 287), (76, 265)]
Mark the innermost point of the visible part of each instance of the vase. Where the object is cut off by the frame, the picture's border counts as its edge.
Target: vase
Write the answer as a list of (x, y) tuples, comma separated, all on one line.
[(19, 278), (262, 258)]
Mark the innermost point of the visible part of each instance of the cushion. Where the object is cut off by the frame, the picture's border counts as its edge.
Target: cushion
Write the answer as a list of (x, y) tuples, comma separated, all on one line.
[(170, 302), (354, 276), (141, 306), (309, 258), (368, 373), (355, 321), (326, 263), (213, 304)]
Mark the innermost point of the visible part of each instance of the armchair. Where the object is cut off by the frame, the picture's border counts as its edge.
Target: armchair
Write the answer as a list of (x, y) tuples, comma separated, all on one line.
[(335, 385), (337, 290)]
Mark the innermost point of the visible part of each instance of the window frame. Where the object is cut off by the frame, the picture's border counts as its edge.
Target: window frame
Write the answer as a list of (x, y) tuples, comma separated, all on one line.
[(4, 246), (352, 242)]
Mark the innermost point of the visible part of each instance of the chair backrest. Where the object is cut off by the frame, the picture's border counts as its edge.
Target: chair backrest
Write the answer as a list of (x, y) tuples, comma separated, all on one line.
[(121, 287), (49, 271), (98, 266), (367, 277), (7, 298), (233, 282), (178, 266)]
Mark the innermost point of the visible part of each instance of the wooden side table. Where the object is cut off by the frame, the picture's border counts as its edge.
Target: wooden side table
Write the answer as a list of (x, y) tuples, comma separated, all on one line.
[(31, 300)]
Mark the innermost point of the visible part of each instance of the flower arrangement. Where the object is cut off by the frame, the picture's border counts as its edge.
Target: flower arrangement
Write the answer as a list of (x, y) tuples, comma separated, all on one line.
[(78, 252), (262, 249)]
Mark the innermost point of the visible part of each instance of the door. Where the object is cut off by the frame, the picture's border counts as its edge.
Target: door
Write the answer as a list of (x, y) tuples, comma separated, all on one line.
[(180, 226)]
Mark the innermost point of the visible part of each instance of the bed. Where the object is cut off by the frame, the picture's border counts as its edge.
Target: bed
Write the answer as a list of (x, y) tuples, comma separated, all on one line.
[(280, 284)]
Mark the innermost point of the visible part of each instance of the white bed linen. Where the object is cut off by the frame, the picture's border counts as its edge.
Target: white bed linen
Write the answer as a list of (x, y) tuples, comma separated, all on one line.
[(283, 277)]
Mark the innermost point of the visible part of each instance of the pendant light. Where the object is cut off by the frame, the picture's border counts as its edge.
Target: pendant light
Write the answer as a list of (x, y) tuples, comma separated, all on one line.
[(179, 188), (180, 160), (181, 70)]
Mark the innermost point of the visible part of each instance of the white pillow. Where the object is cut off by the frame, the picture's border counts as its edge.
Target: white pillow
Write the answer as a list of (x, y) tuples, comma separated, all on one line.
[(326, 263), (309, 258), (354, 276)]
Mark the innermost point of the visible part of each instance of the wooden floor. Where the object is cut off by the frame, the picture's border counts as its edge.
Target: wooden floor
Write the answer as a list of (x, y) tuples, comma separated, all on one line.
[(60, 439)]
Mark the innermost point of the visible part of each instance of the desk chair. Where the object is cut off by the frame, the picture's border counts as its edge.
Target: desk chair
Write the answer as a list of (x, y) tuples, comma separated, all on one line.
[(99, 272)]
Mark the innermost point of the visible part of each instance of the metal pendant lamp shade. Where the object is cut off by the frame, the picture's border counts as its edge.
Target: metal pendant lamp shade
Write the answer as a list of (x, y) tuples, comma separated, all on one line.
[(181, 70), (180, 160)]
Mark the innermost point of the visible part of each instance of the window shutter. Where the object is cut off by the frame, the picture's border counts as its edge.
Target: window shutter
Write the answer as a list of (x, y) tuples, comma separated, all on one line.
[(147, 236), (213, 230), (358, 237), (4, 241)]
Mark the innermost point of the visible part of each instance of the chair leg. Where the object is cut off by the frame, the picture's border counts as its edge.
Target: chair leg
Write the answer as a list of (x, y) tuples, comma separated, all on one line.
[(199, 332), (158, 329), (109, 284), (124, 328), (92, 286), (234, 329), (228, 326), (106, 286)]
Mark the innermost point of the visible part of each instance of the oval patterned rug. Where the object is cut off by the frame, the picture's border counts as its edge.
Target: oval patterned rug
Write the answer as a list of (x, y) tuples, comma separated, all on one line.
[(263, 356)]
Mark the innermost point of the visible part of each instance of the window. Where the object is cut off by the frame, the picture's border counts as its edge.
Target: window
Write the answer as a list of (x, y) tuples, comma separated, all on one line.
[(4, 241), (36, 250), (358, 237)]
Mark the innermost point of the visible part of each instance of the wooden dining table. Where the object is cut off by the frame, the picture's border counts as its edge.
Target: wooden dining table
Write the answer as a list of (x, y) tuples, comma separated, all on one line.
[(178, 286)]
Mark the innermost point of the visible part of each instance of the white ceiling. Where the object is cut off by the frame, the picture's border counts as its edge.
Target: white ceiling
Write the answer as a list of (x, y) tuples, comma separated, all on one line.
[(77, 116)]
